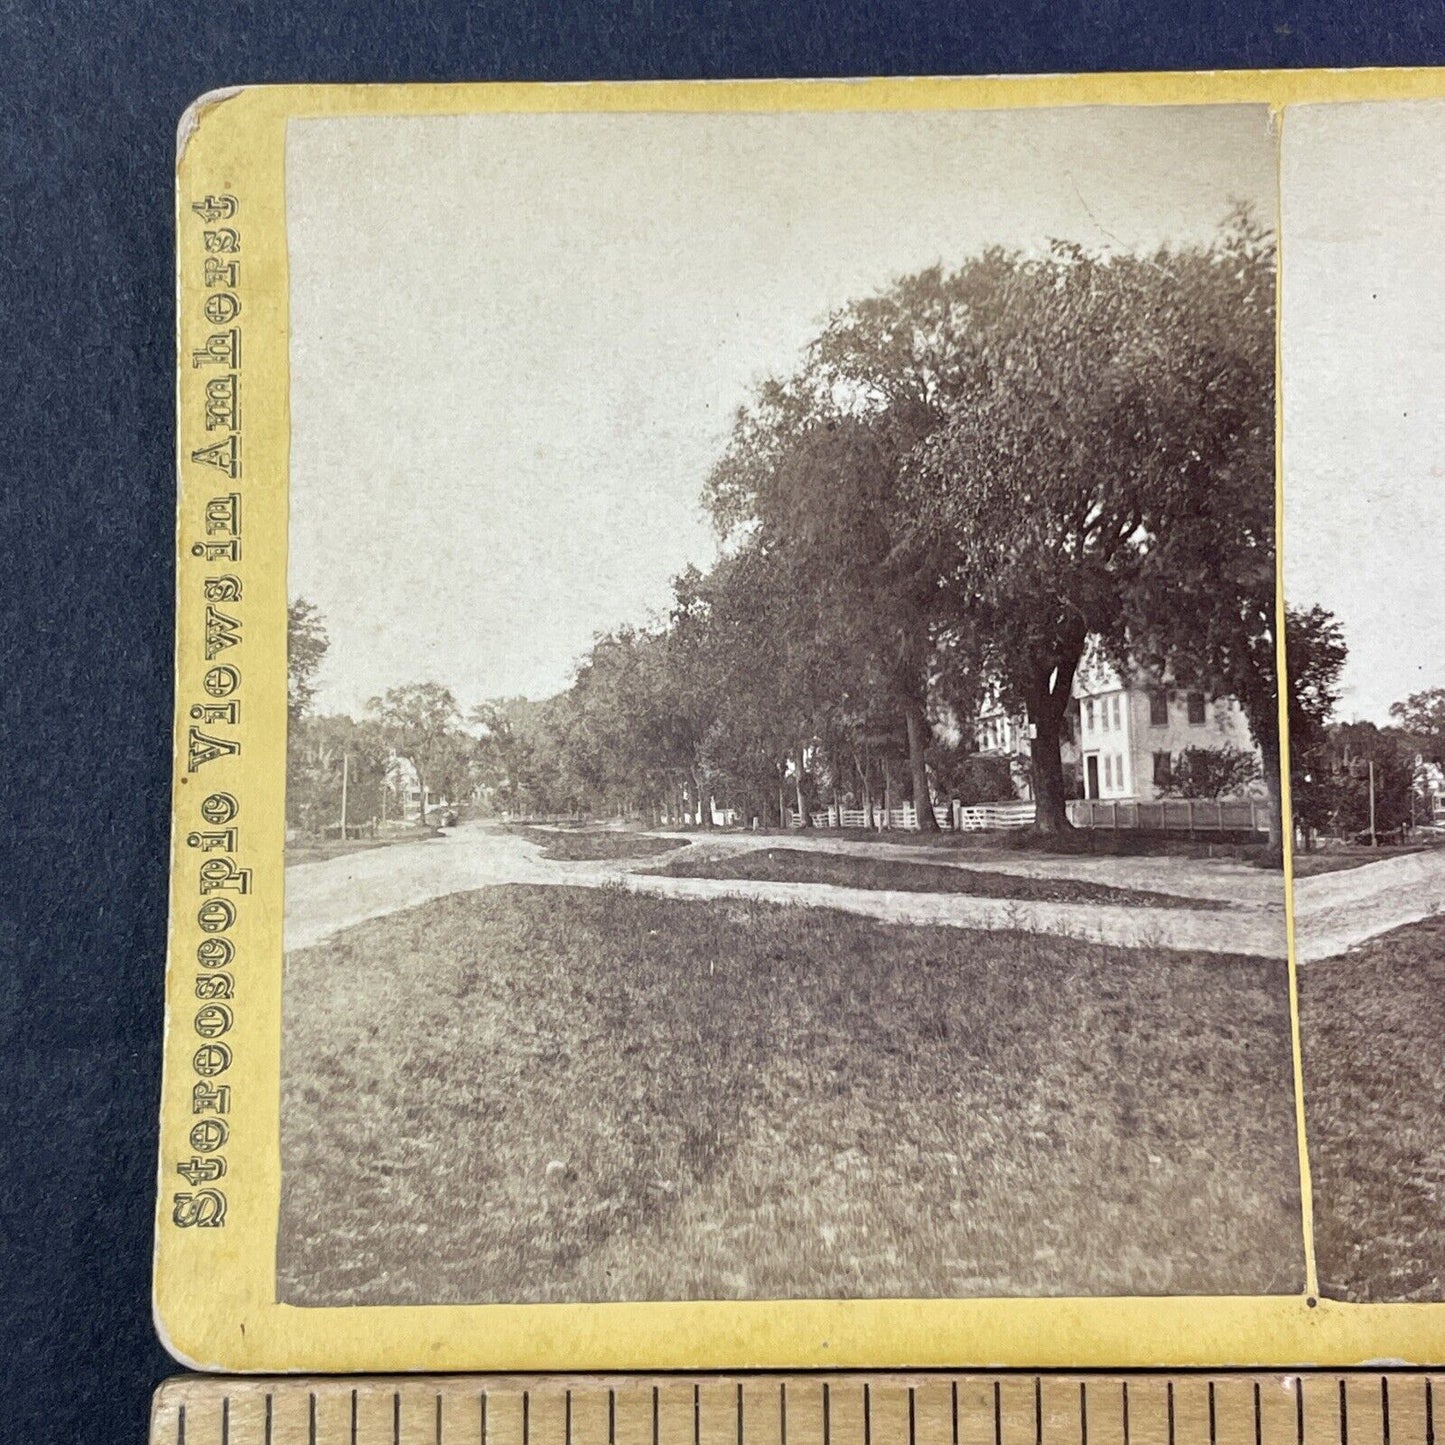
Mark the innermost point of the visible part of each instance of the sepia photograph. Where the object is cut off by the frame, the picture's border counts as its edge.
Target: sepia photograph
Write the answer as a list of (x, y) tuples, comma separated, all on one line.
[(1364, 466), (783, 790)]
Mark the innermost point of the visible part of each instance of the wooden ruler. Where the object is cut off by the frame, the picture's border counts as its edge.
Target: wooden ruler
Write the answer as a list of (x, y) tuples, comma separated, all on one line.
[(1324, 1408)]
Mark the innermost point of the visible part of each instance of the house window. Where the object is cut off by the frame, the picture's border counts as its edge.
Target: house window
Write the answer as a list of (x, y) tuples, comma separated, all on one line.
[(1158, 709), (1116, 711), (1119, 772), (1196, 708), (1089, 715), (1108, 770), (1163, 772), (1104, 714)]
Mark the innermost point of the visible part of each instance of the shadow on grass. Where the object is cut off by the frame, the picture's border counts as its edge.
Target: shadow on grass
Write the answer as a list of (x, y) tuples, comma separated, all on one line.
[(549, 1094), (794, 865)]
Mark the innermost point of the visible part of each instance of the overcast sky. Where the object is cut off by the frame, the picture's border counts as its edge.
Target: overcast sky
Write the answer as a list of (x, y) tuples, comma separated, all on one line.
[(1364, 387), (518, 340)]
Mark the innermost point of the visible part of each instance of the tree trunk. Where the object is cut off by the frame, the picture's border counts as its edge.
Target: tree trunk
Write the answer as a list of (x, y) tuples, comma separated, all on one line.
[(1270, 756), (804, 820), (421, 785), (1263, 722), (1046, 768), (918, 766), (1047, 699), (704, 805)]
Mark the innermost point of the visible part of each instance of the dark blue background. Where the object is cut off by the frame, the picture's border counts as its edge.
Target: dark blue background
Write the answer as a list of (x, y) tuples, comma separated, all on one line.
[(89, 99)]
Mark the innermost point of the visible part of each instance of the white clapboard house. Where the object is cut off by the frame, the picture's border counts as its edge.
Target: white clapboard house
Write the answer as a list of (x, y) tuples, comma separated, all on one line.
[(1127, 733)]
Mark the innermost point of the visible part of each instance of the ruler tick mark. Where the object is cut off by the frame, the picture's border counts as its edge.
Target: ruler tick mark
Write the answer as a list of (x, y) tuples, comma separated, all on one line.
[(225, 1420), (827, 1416), (1385, 1408), (867, 1415), (611, 1417), (181, 1426), (1083, 1415), (783, 1413), (567, 1416), (1039, 1411), (1213, 1436), (954, 1393), (1258, 1417), (1299, 1409), (527, 1416), (1124, 1384), (353, 1417), (1169, 1404), (1429, 1413), (439, 1418), (912, 1419), (997, 1413), (483, 1413), (1344, 1416), (740, 1412), (396, 1417)]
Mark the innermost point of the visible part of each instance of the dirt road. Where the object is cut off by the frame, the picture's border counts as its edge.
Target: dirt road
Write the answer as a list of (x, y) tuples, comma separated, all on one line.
[(325, 897), (1336, 911)]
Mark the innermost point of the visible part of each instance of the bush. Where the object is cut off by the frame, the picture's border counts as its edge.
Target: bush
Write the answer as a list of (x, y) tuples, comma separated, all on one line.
[(1212, 773)]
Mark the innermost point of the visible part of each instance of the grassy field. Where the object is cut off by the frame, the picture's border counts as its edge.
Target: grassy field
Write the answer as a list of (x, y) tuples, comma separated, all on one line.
[(527, 1093), (794, 865), (576, 845), (316, 850), (1374, 1067)]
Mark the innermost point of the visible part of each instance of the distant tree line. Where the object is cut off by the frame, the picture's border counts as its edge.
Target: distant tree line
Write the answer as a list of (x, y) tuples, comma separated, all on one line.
[(1335, 766), (973, 476)]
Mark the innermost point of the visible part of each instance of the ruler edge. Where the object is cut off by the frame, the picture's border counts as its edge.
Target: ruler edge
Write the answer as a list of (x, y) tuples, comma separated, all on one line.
[(166, 1417)]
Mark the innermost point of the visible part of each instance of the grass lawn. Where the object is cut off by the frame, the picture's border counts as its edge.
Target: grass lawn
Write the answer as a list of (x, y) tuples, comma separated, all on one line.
[(1374, 1067), (1126, 843), (795, 865), (545, 1093), (576, 845), (315, 850)]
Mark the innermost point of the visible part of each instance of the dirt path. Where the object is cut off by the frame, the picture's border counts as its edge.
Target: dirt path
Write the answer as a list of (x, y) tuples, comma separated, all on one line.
[(322, 898), (1334, 912), (1253, 931)]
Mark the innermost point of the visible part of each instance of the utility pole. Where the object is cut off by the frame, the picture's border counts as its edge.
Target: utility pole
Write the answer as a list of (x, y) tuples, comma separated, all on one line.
[(345, 778)]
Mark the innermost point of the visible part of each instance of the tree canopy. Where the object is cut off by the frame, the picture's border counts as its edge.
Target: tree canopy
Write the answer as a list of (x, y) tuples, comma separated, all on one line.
[(970, 477)]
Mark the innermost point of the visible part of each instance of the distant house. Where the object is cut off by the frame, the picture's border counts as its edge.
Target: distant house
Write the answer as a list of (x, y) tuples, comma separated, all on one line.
[(1430, 783), (1127, 734), (404, 786), (1005, 735)]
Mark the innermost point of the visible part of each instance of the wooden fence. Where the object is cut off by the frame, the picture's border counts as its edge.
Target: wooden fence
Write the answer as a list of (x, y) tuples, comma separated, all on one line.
[(1170, 815)]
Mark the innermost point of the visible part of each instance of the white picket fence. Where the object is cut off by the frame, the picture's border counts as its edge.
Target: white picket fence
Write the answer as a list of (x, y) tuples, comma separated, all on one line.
[(950, 816), (1170, 815)]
